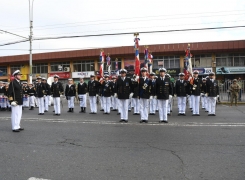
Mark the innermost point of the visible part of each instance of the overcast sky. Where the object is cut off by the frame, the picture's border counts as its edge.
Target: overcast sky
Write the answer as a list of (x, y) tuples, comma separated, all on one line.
[(53, 18)]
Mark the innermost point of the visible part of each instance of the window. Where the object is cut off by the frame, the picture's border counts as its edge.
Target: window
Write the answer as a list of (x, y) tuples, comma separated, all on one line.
[(201, 61), (80, 66), (3, 70), (40, 68), (59, 66), (14, 68), (230, 59), (113, 64)]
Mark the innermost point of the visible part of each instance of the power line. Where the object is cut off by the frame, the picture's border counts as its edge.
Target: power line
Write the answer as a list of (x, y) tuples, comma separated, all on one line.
[(13, 34)]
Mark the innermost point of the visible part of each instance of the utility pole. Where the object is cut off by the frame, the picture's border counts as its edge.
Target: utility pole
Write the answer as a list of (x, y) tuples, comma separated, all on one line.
[(30, 37)]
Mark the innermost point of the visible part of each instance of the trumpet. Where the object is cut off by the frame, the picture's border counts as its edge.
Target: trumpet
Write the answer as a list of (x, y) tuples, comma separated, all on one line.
[(194, 87)]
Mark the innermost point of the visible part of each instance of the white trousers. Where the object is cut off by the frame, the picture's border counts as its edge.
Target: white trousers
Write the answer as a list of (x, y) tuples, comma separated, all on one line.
[(41, 104), (206, 103), (144, 105), (170, 102), (56, 105), (107, 104), (152, 105), (83, 100), (119, 105), (25, 101), (156, 102), (71, 101), (136, 102), (124, 108), (129, 104), (190, 101), (203, 101), (163, 105), (211, 105), (182, 104), (114, 102), (16, 114), (93, 106), (195, 104), (101, 102), (46, 102), (36, 101), (31, 100)]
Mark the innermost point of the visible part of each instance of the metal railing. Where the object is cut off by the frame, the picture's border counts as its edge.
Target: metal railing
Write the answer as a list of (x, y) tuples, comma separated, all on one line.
[(225, 93)]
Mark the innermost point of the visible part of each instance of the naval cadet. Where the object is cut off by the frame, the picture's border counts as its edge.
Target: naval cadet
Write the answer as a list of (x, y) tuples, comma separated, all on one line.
[(114, 100), (82, 88), (25, 94), (135, 98), (152, 100), (181, 91), (163, 91), (93, 91), (31, 93), (57, 90), (70, 93), (47, 94), (195, 89), (40, 91), (212, 92), (144, 94), (16, 100), (124, 90), (106, 88)]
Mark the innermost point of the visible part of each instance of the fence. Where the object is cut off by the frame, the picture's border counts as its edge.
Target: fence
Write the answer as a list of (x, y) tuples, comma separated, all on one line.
[(225, 93)]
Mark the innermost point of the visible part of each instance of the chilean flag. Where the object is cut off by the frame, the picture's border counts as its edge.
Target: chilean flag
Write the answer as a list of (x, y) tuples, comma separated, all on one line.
[(102, 57), (137, 63), (108, 61)]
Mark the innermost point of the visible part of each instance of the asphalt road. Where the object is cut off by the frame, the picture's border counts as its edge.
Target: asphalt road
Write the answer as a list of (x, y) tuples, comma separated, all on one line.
[(83, 146)]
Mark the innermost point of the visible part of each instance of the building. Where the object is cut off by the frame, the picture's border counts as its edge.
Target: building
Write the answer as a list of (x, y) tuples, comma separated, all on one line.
[(226, 58)]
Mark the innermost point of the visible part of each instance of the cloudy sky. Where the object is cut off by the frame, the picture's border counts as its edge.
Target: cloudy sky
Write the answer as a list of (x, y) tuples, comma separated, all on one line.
[(55, 18)]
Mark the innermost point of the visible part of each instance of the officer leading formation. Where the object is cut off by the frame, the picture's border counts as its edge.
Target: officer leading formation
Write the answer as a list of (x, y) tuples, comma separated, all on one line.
[(147, 95)]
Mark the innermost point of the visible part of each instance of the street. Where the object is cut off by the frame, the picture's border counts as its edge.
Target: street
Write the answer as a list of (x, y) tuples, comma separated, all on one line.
[(84, 146)]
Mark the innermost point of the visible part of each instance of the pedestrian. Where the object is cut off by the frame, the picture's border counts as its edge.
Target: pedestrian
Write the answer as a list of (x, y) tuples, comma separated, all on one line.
[(31, 93), (234, 89), (124, 90), (82, 88), (70, 93), (212, 92), (106, 94), (57, 90), (163, 92), (145, 86), (47, 94), (16, 100), (93, 91), (195, 89), (182, 88), (40, 91)]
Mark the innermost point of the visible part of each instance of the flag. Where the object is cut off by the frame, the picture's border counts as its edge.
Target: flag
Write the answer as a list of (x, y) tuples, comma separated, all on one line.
[(137, 58), (102, 56), (146, 56), (116, 65), (187, 63), (108, 60), (102, 70)]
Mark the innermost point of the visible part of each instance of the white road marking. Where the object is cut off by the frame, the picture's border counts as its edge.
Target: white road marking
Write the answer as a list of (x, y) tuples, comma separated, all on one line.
[(116, 122), (34, 178)]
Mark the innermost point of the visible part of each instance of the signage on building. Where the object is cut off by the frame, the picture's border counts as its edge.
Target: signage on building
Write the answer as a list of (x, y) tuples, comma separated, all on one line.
[(85, 74), (230, 70), (62, 75), (203, 71), (45, 75)]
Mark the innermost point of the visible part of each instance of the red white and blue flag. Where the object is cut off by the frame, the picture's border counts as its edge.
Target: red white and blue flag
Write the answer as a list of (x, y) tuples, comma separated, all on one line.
[(187, 63), (102, 56), (137, 57)]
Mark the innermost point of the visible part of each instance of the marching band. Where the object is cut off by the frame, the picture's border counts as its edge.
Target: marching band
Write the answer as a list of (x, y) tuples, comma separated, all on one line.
[(146, 94)]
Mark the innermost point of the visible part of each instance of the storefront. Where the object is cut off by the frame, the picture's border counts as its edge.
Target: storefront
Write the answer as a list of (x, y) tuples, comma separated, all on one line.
[(85, 75), (225, 73)]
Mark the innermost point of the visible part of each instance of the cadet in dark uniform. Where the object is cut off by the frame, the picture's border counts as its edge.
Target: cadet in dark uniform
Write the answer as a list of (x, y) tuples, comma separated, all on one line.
[(144, 94), (106, 93), (31, 93), (40, 91), (93, 90), (25, 94), (170, 101), (182, 88), (114, 100), (135, 98), (124, 88), (203, 97), (70, 93), (212, 92), (16, 100), (57, 90), (82, 88), (46, 94), (163, 90), (195, 89), (152, 100)]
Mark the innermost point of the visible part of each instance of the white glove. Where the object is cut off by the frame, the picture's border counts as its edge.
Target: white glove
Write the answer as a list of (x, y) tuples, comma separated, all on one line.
[(217, 96), (155, 97), (136, 78), (115, 95), (170, 96), (131, 95), (202, 94), (151, 97), (13, 103), (97, 95), (175, 95), (206, 94)]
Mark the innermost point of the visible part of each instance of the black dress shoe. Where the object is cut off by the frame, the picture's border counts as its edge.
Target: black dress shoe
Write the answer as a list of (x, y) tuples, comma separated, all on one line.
[(91, 113), (214, 114), (193, 114), (118, 113), (58, 114), (45, 111), (160, 121), (169, 114), (54, 114), (39, 113), (21, 129), (197, 114), (126, 121), (165, 121), (122, 120), (16, 130), (102, 110), (183, 114)]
